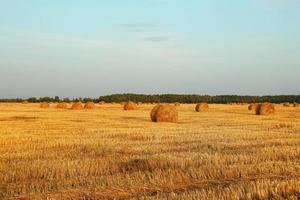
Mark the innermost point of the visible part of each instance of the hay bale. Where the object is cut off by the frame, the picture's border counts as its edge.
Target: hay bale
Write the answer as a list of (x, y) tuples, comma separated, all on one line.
[(200, 107), (295, 105), (252, 106), (25, 102), (153, 112), (89, 105), (102, 102), (77, 106), (62, 105), (44, 105), (177, 104), (265, 109), (164, 113), (130, 106), (286, 104)]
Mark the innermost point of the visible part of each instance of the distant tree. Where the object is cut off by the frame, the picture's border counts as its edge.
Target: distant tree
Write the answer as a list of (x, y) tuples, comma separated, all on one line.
[(66, 100), (88, 100), (56, 99), (46, 99), (32, 100), (221, 99), (172, 98)]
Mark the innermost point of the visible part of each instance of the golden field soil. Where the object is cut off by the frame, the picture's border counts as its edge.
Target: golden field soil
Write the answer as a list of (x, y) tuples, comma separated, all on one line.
[(108, 153)]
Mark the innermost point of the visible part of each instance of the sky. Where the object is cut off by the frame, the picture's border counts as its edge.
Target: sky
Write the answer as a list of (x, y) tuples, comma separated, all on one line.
[(88, 48)]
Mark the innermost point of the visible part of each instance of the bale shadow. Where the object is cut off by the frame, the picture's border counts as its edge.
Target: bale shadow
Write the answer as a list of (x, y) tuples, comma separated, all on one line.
[(239, 113), (19, 118), (136, 119)]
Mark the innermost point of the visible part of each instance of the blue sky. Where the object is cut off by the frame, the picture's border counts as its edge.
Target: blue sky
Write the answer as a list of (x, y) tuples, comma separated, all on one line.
[(89, 48)]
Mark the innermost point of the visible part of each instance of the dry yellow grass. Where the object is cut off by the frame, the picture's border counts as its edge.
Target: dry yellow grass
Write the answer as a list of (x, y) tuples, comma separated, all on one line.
[(227, 153)]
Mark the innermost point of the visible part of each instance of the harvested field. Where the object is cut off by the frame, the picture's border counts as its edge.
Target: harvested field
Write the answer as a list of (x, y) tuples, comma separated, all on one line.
[(226, 153)]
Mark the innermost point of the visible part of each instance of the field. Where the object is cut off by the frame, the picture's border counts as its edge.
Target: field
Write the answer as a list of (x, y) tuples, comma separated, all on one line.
[(108, 153)]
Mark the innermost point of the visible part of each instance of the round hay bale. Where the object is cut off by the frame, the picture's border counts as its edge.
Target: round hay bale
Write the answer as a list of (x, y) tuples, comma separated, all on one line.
[(164, 113), (252, 106), (77, 106), (296, 105), (130, 106), (177, 104), (153, 112), (200, 107), (44, 105), (25, 102), (265, 109), (286, 104), (89, 105), (102, 102), (62, 105)]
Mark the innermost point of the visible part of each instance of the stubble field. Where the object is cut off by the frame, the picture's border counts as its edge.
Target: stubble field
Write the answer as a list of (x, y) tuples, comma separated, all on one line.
[(108, 153)]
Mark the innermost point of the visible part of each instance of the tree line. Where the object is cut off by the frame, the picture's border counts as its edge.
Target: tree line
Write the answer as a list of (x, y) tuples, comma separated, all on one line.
[(167, 98)]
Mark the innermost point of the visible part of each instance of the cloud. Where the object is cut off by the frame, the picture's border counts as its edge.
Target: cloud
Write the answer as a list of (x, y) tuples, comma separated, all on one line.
[(73, 52), (138, 27), (147, 31), (157, 38)]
